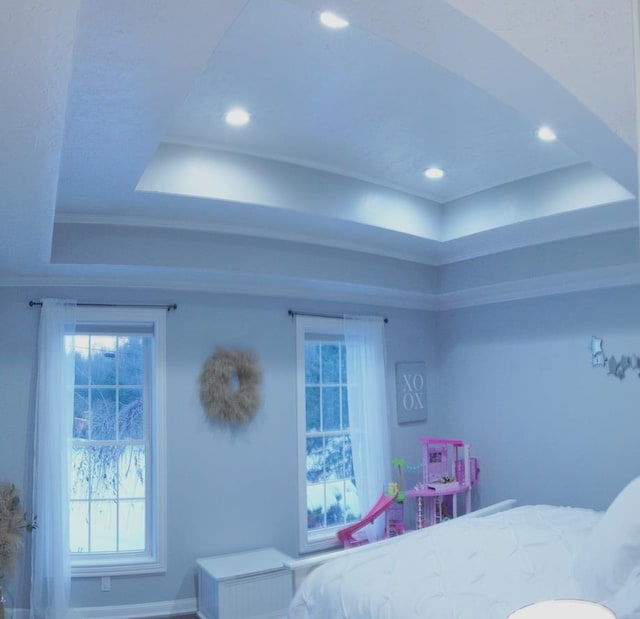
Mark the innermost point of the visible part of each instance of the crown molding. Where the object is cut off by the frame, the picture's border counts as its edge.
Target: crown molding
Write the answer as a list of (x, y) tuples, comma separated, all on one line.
[(242, 285), (341, 292), (559, 283)]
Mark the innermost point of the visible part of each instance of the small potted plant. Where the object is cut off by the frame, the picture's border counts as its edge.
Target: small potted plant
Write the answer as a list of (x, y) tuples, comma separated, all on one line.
[(13, 523)]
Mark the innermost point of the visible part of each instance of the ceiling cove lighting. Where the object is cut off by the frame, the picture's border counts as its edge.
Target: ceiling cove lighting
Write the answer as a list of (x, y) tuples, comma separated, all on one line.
[(546, 134), (237, 117), (434, 173), (331, 20)]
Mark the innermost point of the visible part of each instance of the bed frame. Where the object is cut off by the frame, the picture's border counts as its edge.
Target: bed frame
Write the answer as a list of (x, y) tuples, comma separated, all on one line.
[(302, 567)]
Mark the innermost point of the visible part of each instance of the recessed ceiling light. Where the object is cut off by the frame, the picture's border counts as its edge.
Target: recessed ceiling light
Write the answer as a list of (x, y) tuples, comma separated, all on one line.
[(331, 20), (237, 117), (434, 173), (546, 134)]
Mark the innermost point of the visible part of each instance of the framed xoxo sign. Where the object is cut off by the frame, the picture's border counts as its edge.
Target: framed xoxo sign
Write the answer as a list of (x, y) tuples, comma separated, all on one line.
[(411, 391)]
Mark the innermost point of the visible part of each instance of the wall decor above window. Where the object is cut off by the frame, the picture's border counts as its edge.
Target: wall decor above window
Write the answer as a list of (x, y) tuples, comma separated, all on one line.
[(229, 386)]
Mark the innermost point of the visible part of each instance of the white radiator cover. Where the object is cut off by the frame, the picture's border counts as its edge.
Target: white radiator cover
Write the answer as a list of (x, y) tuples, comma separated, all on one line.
[(250, 585)]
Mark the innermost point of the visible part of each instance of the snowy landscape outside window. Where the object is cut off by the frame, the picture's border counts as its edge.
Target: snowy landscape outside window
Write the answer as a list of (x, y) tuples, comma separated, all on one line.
[(114, 498), (328, 493)]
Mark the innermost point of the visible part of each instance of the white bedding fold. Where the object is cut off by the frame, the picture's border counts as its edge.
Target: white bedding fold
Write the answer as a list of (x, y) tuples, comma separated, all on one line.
[(472, 568)]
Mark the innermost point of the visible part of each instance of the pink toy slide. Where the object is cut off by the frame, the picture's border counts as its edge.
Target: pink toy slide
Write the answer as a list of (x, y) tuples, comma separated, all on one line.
[(382, 504)]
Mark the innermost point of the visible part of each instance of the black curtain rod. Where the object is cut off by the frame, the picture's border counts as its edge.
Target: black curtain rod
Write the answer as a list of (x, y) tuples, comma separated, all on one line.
[(173, 306), (293, 314)]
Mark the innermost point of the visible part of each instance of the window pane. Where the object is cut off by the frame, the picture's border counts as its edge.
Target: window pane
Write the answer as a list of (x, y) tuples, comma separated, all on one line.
[(130, 414), (330, 408), (103, 359), (132, 473), (334, 457), (312, 399), (312, 363), (330, 363), (79, 526), (315, 459), (315, 506), (103, 414), (132, 525), (352, 502), (103, 466), (343, 363), (348, 460), (345, 408), (104, 526), (80, 473), (130, 360), (81, 413), (81, 345), (335, 503)]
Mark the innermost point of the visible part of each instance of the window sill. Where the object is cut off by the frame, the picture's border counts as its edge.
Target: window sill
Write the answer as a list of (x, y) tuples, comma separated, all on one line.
[(116, 566), (328, 540)]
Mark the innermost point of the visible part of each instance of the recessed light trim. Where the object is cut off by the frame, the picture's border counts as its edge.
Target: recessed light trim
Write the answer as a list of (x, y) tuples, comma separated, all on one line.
[(331, 20), (434, 173), (546, 134), (237, 117)]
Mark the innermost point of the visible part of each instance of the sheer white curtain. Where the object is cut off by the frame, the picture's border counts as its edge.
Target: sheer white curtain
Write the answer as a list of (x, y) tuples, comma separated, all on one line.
[(368, 419), (51, 571)]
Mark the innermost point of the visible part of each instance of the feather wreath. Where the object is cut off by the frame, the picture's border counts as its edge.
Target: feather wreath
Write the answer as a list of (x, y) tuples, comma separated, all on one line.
[(229, 386)]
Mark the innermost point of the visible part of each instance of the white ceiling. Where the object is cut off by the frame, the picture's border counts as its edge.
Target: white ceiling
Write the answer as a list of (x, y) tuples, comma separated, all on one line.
[(355, 104), (111, 115)]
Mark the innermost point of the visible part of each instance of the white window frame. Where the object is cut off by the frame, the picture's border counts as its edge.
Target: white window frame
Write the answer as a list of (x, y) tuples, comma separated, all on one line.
[(325, 538), (154, 559)]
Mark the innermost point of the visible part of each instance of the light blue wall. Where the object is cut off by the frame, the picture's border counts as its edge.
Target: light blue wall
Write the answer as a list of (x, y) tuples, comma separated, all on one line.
[(238, 256), (558, 258), (515, 379), (227, 490)]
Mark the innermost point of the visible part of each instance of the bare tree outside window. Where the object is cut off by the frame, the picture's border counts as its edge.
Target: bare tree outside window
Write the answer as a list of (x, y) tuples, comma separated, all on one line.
[(332, 497), (108, 460)]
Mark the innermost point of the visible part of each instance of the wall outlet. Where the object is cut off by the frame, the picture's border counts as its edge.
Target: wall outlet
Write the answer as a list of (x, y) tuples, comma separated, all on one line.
[(105, 584)]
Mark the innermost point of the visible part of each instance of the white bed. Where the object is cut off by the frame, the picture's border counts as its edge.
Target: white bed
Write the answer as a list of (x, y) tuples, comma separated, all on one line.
[(485, 568)]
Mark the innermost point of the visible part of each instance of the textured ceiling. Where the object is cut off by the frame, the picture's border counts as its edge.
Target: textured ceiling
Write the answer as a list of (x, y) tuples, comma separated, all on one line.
[(351, 102), (604, 83), (111, 115)]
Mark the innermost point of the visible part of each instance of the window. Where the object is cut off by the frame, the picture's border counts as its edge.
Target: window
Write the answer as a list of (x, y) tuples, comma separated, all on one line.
[(328, 494), (116, 485)]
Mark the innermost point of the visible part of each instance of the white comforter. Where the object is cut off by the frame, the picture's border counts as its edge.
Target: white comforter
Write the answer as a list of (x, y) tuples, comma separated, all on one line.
[(470, 568)]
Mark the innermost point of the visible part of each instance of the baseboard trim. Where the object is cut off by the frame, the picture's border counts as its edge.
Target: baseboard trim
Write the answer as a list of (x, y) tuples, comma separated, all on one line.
[(127, 611)]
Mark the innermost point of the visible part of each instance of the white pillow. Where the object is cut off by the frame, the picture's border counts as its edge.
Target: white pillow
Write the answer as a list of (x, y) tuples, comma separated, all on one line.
[(625, 602), (612, 548)]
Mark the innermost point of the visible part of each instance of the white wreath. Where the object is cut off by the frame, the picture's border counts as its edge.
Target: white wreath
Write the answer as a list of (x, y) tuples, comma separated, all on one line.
[(229, 385)]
